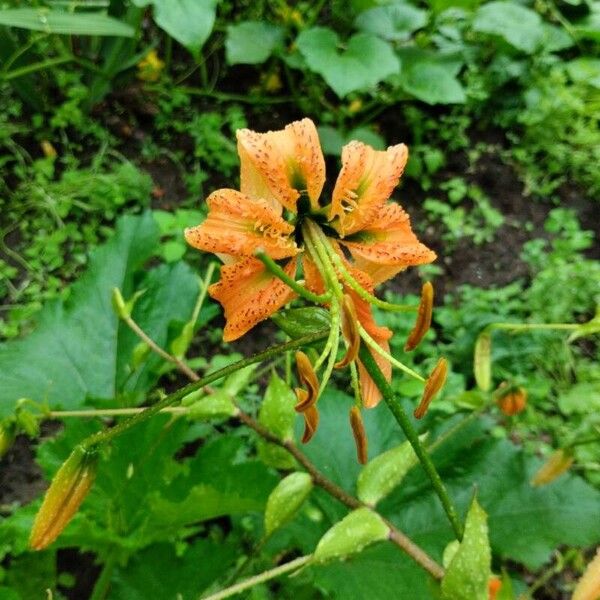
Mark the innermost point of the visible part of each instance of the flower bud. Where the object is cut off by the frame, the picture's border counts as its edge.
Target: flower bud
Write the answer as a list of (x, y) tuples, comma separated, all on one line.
[(360, 436), (482, 361), (554, 467), (285, 500), (588, 587), (512, 400), (423, 322), (433, 385), (350, 331), (67, 491), (494, 585)]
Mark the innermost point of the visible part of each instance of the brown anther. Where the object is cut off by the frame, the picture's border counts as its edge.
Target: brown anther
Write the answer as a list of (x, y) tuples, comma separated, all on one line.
[(311, 421), (433, 385), (512, 400), (308, 378), (360, 435), (423, 322), (350, 331)]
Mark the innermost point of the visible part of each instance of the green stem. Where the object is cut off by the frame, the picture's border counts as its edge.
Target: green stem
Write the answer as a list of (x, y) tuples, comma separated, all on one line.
[(109, 412), (248, 99), (412, 436), (204, 290), (529, 326), (51, 62), (274, 268), (260, 578), (103, 582), (102, 437)]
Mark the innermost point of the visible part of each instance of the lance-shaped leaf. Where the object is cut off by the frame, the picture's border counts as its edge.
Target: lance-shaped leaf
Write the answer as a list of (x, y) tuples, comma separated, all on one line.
[(384, 473), (297, 322), (354, 532), (482, 361), (277, 414), (217, 405), (286, 499), (469, 570)]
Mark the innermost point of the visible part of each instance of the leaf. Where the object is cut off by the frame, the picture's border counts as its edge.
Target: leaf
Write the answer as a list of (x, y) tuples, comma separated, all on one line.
[(386, 471), (469, 570), (393, 22), (297, 322), (190, 22), (354, 532), (581, 398), (277, 414), (241, 45), (49, 365), (521, 27), (589, 27), (364, 62), (430, 77), (161, 572), (286, 499), (56, 21), (332, 140)]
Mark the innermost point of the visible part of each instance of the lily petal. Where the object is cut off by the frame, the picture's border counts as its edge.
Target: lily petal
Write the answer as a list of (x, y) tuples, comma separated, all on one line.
[(280, 166), (249, 294), (238, 226), (388, 245), (365, 182)]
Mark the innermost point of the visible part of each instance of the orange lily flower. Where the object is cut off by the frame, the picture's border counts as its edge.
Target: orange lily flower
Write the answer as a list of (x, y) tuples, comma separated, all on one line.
[(277, 207)]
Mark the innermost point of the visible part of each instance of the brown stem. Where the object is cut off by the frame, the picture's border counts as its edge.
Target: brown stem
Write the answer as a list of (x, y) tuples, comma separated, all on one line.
[(396, 536)]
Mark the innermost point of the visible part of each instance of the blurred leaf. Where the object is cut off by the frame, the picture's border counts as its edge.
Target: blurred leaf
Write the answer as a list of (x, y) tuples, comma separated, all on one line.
[(469, 571), (332, 140), (589, 27), (394, 22), (581, 398), (430, 77), (521, 27), (586, 70), (251, 42), (161, 572), (190, 22), (364, 61), (69, 23)]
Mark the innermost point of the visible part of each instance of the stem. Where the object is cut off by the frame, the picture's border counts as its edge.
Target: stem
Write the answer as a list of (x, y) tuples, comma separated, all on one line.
[(203, 291), (375, 346), (51, 62), (103, 437), (248, 99), (262, 577), (396, 536), (412, 436), (274, 268), (103, 582), (156, 348), (110, 412), (528, 326)]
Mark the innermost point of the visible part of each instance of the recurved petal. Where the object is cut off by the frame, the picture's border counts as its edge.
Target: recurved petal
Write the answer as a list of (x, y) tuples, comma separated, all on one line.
[(365, 182), (312, 278), (249, 293), (387, 245), (238, 225), (280, 166)]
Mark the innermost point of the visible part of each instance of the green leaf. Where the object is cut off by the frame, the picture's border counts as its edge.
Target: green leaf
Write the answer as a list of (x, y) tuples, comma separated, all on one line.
[(63, 370), (586, 70), (469, 570), (364, 61), (161, 572), (55, 21), (297, 322), (430, 77), (354, 532), (386, 471), (277, 414), (581, 398), (190, 22), (333, 140), (251, 42), (214, 406), (521, 27), (589, 27), (286, 499), (394, 22)]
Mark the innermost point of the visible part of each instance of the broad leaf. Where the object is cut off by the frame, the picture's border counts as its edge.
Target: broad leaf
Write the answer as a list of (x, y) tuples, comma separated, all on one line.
[(57, 21), (517, 25), (333, 140), (430, 77), (360, 64), (394, 22), (190, 22), (251, 42)]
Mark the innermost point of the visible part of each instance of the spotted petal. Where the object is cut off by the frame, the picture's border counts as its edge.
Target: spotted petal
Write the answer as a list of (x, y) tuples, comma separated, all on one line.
[(237, 225), (365, 183), (281, 166), (249, 294), (387, 245)]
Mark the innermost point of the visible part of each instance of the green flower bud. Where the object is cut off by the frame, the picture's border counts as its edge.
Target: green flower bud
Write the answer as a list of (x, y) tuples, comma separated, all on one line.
[(285, 500)]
